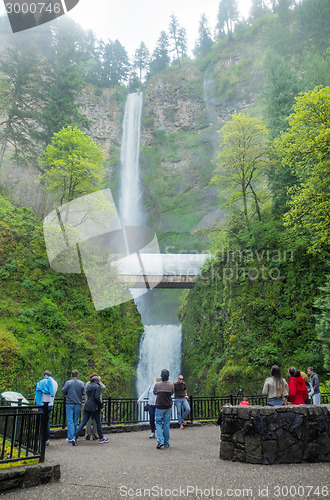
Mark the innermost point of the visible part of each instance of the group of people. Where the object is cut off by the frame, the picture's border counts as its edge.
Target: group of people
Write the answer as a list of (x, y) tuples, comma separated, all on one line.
[(159, 395), (74, 391), (298, 390)]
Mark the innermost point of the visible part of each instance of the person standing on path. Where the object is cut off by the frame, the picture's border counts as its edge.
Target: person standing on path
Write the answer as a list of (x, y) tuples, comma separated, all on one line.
[(46, 390), (92, 408), (163, 390), (315, 385), (181, 401), (276, 388), (91, 424), (149, 393), (73, 390), (297, 388)]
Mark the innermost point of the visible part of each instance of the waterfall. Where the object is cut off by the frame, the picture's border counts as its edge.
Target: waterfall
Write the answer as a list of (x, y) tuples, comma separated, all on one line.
[(160, 345), (130, 198)]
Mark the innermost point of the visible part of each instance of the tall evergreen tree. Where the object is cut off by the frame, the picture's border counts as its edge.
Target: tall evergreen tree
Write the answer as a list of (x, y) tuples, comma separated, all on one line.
[(204, 41), (20, 103), (62, 87), (314, 23), (282, 86), (141, 60), (182, 42), (115, 64), (160, 57), (174, 28), (227, 16), (258, 8)]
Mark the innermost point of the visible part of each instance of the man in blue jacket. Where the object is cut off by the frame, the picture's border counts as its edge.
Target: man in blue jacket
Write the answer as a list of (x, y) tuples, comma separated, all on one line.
[(45, 393), (73, 390)]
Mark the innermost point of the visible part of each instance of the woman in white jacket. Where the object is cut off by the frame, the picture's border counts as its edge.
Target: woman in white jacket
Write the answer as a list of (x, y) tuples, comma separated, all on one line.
[(149, 393), (276, 388)]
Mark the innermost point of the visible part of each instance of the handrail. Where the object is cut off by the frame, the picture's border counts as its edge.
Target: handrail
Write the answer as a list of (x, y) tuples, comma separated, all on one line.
[(128, 411)]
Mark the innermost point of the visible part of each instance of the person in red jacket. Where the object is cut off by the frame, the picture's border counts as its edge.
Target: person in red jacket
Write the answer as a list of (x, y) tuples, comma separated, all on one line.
[(297, 388)]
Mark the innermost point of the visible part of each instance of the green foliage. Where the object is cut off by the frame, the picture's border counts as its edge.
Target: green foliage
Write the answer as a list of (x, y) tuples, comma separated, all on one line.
[(252, 308), (241, 159), (72, 164), (304, 149), (323, 322), (10, 353), (48, 321)]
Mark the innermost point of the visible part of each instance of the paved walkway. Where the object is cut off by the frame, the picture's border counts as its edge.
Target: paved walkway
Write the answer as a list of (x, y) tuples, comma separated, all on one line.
[(189, 469)]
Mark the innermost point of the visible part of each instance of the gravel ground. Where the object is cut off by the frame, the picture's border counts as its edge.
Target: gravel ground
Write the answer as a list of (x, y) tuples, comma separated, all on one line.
[(130, 466)]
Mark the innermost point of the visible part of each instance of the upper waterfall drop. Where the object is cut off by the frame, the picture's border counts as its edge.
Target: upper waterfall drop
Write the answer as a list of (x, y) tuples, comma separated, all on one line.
[(130, 197)]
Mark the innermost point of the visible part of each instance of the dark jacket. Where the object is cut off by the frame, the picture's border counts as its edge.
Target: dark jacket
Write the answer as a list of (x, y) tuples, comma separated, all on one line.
[(164, 391), (94, 402), (315, 383)]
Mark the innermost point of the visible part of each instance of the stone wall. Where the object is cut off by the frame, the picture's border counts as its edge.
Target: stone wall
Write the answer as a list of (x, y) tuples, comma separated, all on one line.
[(28, 476), (280, 434)]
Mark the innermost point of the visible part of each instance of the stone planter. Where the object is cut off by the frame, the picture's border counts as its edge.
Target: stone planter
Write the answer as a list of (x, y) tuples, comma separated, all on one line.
[(275, 434)]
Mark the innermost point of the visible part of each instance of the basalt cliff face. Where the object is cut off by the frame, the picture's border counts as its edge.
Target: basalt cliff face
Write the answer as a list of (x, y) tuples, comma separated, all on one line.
[(182, 111)]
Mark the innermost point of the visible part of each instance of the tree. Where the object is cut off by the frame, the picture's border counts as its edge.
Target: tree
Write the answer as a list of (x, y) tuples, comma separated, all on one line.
[(204, 42), (62, 87), (20, 103), (314, 23), (160, 57), (243, 154), (257, 9), (182, 42), (72, 164), (141, 60), (227, 16), (174, 28), (281, 88), (304, 148), (323, 323), (115, 64)]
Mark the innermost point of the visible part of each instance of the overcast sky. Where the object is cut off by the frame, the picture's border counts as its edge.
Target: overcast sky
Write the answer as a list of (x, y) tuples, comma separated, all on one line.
[(133, 21)]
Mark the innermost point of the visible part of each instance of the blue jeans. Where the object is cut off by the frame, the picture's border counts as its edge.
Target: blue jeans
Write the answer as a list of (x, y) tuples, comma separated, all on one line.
[(275, 401), (163, 419), (317, 399), (182, 403), (72, 417), (50, 409), (97, 417), (152, 411)]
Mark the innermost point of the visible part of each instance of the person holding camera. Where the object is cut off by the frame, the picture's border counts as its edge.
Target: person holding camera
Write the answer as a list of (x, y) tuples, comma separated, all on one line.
[(151, 405)]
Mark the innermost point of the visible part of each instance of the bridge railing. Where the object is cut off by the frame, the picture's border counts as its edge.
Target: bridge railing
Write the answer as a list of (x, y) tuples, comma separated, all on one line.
[(128, 411), (23, 432)]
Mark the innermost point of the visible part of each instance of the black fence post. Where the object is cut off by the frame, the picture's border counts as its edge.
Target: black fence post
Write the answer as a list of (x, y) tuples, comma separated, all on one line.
[(109, 411), (191, 408), (64, 413), (231, 400), (44, 422)]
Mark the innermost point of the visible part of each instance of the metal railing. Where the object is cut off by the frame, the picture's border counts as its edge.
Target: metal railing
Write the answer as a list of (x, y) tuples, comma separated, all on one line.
[(23, 432), (128, 411)]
